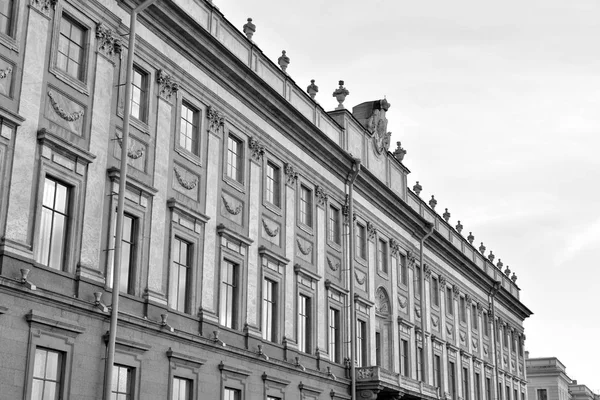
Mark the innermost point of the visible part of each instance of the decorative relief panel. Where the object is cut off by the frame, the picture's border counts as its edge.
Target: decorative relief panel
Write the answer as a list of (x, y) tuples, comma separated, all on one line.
[(64, 112), (6, 77), (435, 322), (271, 231), (463, 337), (334, 265), (382, 301), (304, 249), (403, 303), (185, 182), (232, 208), (136, 152), (360, 278)]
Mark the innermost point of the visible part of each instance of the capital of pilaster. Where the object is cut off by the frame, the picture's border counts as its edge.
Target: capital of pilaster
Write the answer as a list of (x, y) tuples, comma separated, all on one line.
[(43, 6), (290, 174), (257, 149), (166, 85), (107, 42), (216, 121), (321, 196)]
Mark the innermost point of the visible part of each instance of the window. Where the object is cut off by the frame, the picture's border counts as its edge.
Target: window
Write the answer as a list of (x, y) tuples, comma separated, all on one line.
[(232, 394), (404, 359), (477, 386), (420, 365), (403, 270), (269, 311), (179, 275), (382, 253), (139, 94), (361, 343), (465, 379), (127, 254), (334, 335), (47, 374), (463, 310), (435, 293), (520, 345), (189, 129), (417, 285), (305, 206), (234, 158), (515, 394), (437, 371), (54, 224), (273, 184), (361, 241), (182, 389), (71, 48), (449, 302), (378, 349), (304, 316), (273, 398), (121, 382), (488, 389), (334, 225), (474, 318), (452, 379), (507, 392), (505, 337), (6, 16), (486, 325), (229, 294)]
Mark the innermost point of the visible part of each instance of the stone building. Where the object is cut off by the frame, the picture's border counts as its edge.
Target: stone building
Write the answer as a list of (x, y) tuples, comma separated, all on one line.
[(547, 379), (240, 252)]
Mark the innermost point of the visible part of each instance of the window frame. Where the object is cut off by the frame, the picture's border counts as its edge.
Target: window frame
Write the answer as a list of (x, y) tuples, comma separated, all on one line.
[(334, 225), (306, 217), (11, 29), (277, 201), (362, 338), (133, 274), (466, 389), (271, 334), (304, 341), (403, 271), (360, 249), (474, 318), (449, 297), (462, 305), (234, 305), (404, 351), (334, 334), (62, 37), (144, 105), (434, 292), (383, 256), (198, 114), (189, 266), (240, 156)]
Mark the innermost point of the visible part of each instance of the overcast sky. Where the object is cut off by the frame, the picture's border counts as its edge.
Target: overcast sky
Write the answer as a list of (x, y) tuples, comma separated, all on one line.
[(498, 106)]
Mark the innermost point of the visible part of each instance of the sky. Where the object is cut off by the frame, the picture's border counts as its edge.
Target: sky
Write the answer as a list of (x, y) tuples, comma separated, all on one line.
[(498, 106)]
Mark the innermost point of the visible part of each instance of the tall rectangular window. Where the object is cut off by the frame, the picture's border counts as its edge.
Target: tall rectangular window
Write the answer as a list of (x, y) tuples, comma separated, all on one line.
[(361, 343), (488, 388), (189, 129), (477, 386), (127, 254), (486, 325), (139, 94), (515, 394), (435, 292), (420, 364), (378, 349), (305, 206), (304, 315), (505, 337), (417, 285), (452, 379), (334, 335), (53, 224), (437, 371), (463, 310), (182, 389), (273, 184), (234, 158), (121, 382), (507, 392), (229, 294), (449, 302), (269, 311), (334, 225), (6, 16), (47, 374), (232, 394), (71, 47), (403, 270), (404, 358), (465, 379), (474, 318), (361, 241), (179, 275), (382, 255)]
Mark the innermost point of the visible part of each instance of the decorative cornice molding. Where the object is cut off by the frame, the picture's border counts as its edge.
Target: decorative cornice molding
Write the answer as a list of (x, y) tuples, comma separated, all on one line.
[(189, 185), (257, 149), (108, 44), (71, 117), (321, 196), (166, 85), (216, 121)]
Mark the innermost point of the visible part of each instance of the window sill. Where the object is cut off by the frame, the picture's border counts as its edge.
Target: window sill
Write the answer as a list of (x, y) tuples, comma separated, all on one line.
[(239, 186), (136, 123), (307, 229), (9, 42), (273, 208), (76, 84), (191, 157), (334, 246)]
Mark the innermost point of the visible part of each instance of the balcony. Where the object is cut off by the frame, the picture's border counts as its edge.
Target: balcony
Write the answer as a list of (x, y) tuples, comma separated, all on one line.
[(389, 385)]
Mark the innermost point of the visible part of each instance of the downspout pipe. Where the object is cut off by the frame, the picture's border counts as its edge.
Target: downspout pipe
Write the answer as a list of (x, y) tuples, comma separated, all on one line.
[(112, 332), (424, 358), (350, 181), (491, 298)]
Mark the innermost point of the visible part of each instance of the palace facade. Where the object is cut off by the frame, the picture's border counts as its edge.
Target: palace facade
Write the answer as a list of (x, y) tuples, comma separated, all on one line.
[(258, 227)]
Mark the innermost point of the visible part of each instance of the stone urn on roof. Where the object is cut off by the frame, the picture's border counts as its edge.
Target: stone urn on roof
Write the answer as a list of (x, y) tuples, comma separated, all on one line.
[(340, 95)]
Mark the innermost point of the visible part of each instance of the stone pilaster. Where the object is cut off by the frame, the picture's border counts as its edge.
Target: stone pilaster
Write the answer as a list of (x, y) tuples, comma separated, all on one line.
[(156, 289), (395, 350), (254, 284), (107, 50), (19, 220), (210, 262), (322, 315), (372, 268), (290, 231)]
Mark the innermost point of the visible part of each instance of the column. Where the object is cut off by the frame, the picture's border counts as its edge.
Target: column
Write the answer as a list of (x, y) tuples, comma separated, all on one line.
[(19, 220), (216, 129), (321, 200), (158, 262), (372, 271), (290, 231), (394, 266), (426, 315)]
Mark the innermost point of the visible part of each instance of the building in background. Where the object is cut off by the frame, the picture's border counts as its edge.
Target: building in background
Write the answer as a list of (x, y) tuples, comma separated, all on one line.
[(237, 267), (548, 380)]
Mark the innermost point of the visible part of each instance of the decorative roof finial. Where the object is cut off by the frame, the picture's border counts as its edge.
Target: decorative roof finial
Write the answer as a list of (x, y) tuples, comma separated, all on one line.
[(417, 188), (491, 256), (446, 215), (283, 61), (312, 89), (513, 278), (499, 264), (459, 227), (399, 153), (482, 249), (249, 29), (432, 202), (340, 95), (507, 271)]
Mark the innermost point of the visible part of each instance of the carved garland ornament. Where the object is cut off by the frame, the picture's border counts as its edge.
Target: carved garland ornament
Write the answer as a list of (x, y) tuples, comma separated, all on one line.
[(4, 72), (269, 231), (402, 302), (229, 208), (303, 250), (332, 266), (358, 279), (74, 116), (187, 184), (108, 43), (133, 154), (216, 120)]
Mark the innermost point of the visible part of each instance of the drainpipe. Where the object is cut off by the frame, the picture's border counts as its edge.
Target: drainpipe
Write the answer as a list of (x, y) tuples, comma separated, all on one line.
[(491, 297), (112, 336), (424, 358), (350, 181)]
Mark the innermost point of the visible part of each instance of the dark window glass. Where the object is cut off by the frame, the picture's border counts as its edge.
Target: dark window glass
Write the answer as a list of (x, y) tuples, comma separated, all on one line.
[(361, 241), (234, 158), (382, 255), (378, 349), (435, 292), (334, 225), (404, 358), (305, 206), (6, 15), (403, 270), (449, 302)]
